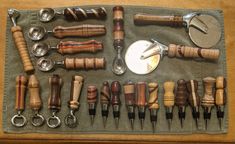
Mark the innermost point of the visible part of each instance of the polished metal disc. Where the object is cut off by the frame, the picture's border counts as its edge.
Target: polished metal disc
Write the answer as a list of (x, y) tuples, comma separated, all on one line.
[(46, 14), (36, 33), (134, 61), (209, 39), (45, 64), (40, 49)]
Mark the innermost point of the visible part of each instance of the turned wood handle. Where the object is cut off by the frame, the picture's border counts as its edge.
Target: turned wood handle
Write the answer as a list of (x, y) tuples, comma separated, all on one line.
[(72, 47), (141, 94), (54, 101), (84, 63), (192, 87), (192, 52), (116, 91), (181, 93), (153, 95), (208, 99), (220, 96), (75, 90), (21, 84), (92, 94), (148, 19), (129, 92), (22, 48), (105, 93), (169, 96), (35, 101), (79, 14), (79, 31)]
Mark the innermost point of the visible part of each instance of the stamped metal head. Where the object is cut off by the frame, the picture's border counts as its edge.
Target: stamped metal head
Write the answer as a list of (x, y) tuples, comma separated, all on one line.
[(45, 64), (46, 14), (36, 33), (13, 14), (40, 49)]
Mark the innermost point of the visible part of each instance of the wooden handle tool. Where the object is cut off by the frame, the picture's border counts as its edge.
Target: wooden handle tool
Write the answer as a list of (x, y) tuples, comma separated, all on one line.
[(92, 94), (115, 100)]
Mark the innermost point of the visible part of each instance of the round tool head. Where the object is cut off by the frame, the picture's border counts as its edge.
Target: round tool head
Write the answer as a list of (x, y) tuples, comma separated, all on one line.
[(45, 64), (40, 49), (46, 14), (134, 61), (36, 33), (209, 39)]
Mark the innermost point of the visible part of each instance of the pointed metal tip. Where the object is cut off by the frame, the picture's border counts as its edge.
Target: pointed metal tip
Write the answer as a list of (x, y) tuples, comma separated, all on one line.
[(92, 119), (220, 123), (181, 122), (142, 123), (116, 122), (104, 121), (196, 120), (132, 123), (169, 123), (206, 124), (154, 126)]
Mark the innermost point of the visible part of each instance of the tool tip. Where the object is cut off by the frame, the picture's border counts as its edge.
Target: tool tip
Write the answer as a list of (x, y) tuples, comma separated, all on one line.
[(220, 123), (132, 123), (142, 123), (104, 121), (169, 123), (206, 124), (153, 126), (196, 120), (181, 122), (116, 122), (92, 120)]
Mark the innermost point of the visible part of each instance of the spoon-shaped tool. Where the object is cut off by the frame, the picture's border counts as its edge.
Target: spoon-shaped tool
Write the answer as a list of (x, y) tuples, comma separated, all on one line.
[(73, 14), (46, 64), (67, 47), (86, 30)]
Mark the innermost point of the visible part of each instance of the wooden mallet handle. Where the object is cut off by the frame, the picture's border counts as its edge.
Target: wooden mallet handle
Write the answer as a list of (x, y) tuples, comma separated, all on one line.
[(192, 52), (148, 19), (21, 84), (35, 101), (22, 48)]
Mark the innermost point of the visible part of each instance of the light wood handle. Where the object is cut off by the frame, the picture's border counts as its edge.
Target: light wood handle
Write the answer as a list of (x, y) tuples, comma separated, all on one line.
[(169, 96), (84, 63), (148, 19), (129, 92), (92, 94), (75, 91), (35, 102), (21, 84), (22, 48), (153, 95), (220, 96), (141, 94), (72, 47), (192, 52), (79, 31), (208, 99)]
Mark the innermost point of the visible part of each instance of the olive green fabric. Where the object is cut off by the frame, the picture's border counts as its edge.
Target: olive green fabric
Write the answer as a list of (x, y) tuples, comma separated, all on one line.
[(168, 69)]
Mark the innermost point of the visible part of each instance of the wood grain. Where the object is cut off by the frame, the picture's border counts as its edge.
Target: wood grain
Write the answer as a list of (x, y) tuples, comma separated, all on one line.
[(228, 7)]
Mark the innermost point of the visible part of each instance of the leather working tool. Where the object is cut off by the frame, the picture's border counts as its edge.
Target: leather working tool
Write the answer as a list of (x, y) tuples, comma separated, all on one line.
[(92, 94), (115, 101)]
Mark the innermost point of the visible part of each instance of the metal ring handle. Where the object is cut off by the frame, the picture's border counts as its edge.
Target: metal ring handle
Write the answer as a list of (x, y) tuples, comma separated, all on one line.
[(53, 118), (19, 117), (37, 120), (70, 120)]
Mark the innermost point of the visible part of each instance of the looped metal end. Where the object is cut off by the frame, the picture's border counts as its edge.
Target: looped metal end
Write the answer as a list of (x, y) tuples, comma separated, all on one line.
[(37, 120), (71, 120), (53, 121), (18, 120)]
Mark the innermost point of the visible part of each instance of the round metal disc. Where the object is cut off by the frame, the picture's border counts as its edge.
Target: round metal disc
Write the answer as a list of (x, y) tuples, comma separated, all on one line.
[(135, 63), (212, 36), (40, 49), (46, 14), (36, 33), (45, 64)]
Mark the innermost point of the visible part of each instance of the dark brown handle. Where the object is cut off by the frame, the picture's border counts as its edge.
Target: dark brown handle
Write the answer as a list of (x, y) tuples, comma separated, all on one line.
[(105, 93), (141, 94), (35, 101), (21, 84), (192, 87), (22, 48), (72, 47), (116, 91), (181, 93), (92, 93), (55, 83), (148, 19), (76, 86), (129, 92), (79, 31), (118, 26), (79, 14), (192, 52)]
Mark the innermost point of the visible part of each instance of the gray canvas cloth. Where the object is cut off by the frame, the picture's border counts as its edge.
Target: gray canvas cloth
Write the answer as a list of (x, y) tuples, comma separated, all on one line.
[(168, 69)]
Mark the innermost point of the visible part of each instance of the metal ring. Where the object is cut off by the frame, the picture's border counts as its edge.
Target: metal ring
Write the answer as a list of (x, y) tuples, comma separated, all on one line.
[(37, 120), (53, 118), (70, 120), (19, 117)]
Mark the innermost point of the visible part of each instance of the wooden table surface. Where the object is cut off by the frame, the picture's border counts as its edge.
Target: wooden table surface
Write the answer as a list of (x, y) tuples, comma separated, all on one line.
[(228, 7)]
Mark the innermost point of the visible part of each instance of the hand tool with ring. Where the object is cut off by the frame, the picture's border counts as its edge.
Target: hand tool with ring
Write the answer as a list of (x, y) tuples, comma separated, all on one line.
[(73, 14), (92, 94), (20, 41), (116, 102), (73, 103), (46, 64), (220, 98), (19, 120), (153, 103), (54, 100), (67, 47), (143, 56), (86, 30), (204, 30), (35, 101), (208, 100)]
